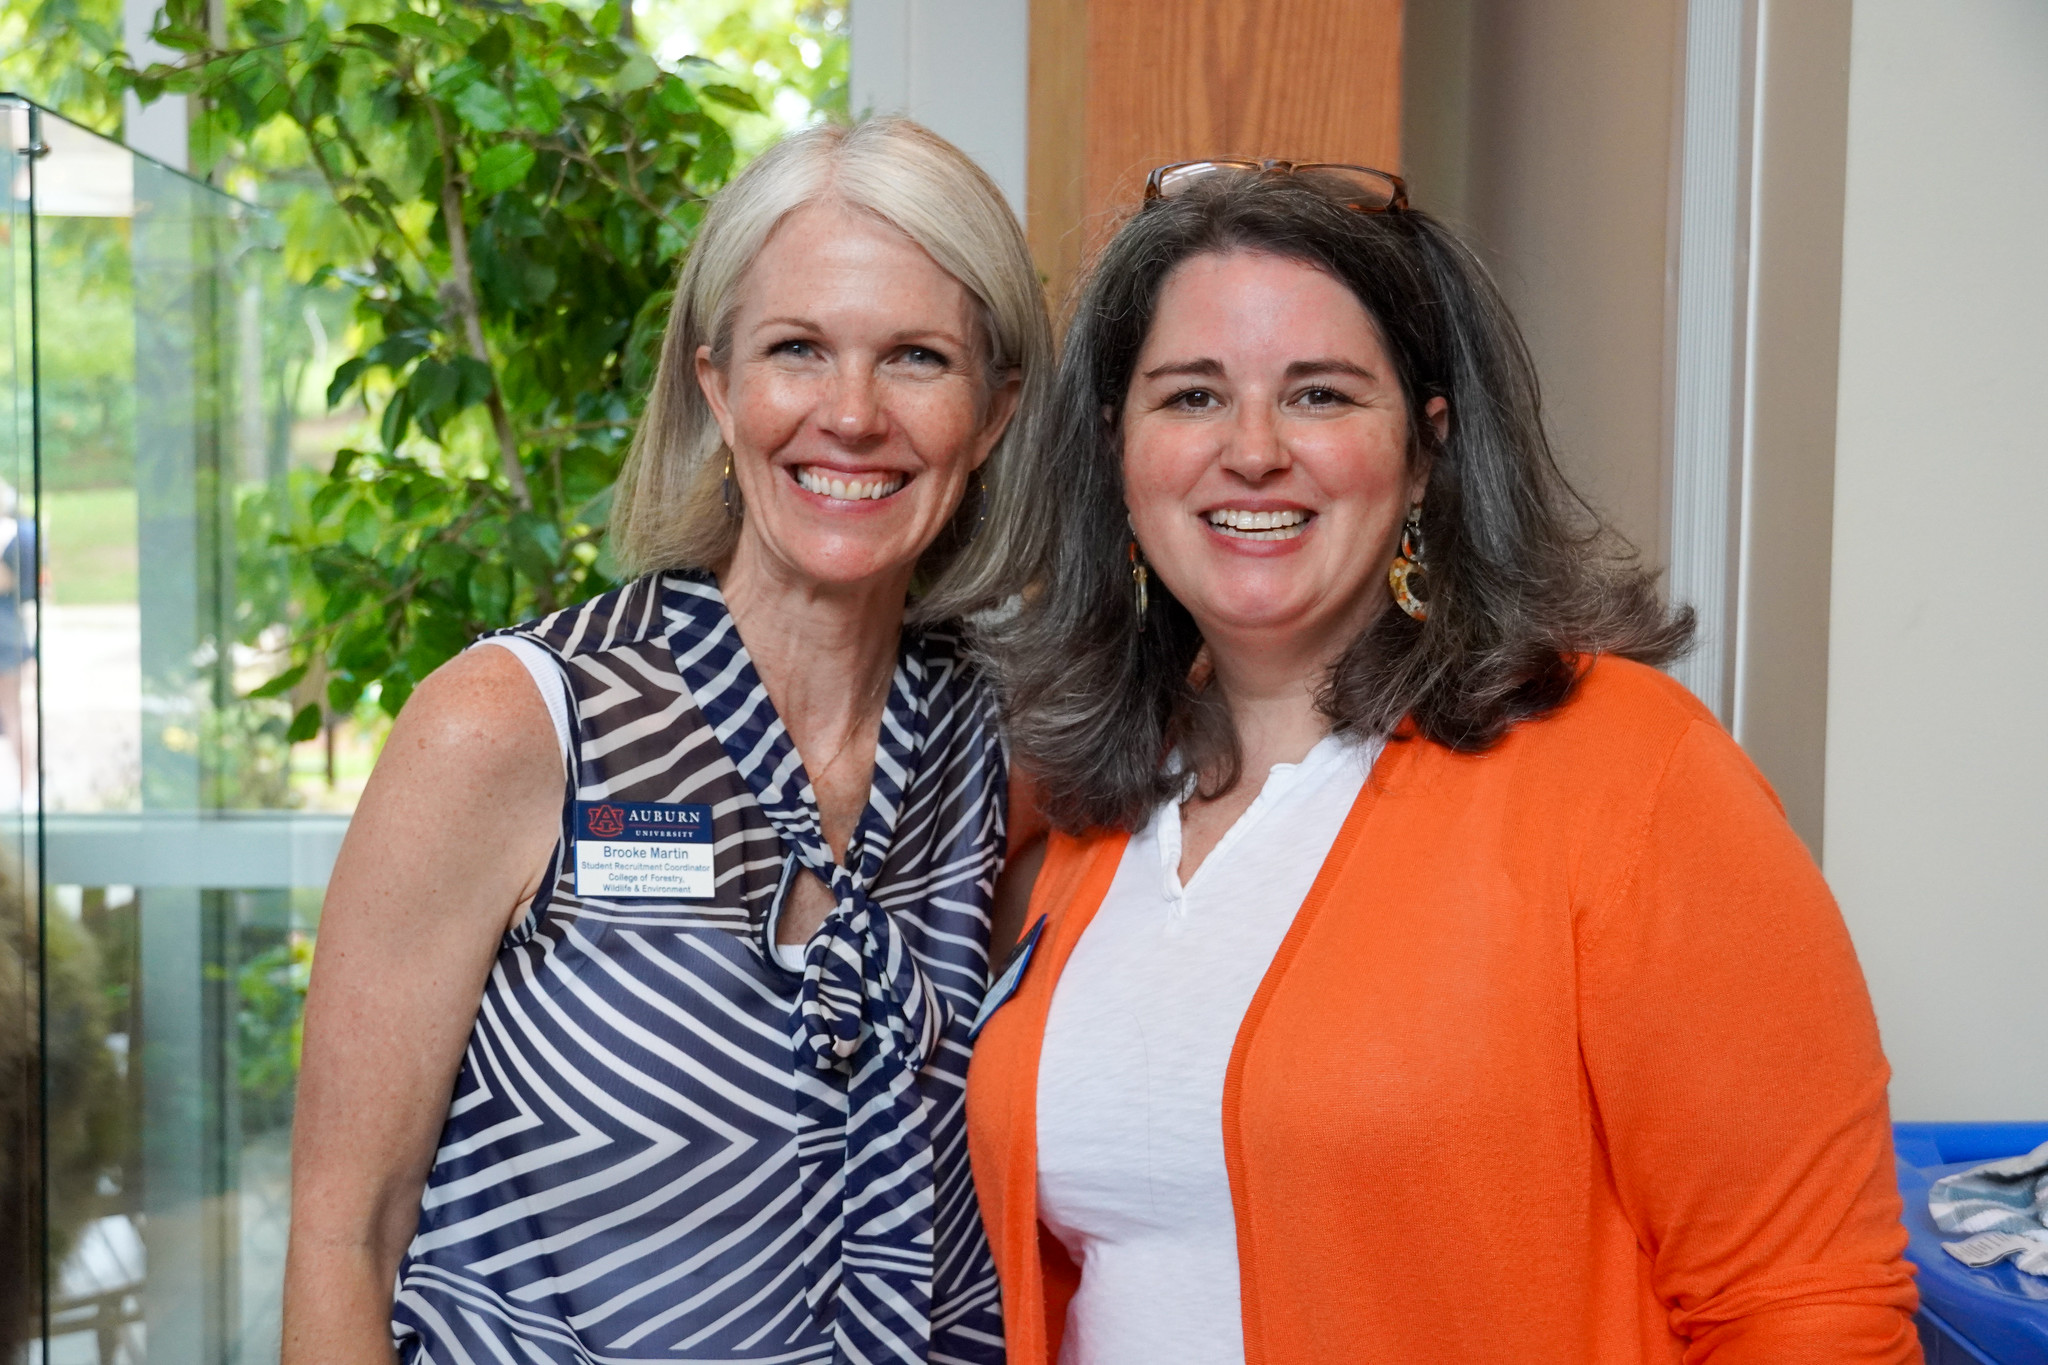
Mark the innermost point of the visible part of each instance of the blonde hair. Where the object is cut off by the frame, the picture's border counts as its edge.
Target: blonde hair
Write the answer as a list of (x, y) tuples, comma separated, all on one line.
[(668, 510)]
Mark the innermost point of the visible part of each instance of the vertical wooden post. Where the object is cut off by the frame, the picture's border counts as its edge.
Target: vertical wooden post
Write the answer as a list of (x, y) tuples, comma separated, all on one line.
[(1120, 86)]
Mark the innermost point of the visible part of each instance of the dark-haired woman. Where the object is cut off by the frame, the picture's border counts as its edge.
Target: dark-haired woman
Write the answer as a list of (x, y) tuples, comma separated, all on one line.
[(1421, 975)]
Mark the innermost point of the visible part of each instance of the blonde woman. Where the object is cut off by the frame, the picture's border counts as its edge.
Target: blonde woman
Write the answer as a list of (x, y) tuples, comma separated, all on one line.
[(639, 1025)]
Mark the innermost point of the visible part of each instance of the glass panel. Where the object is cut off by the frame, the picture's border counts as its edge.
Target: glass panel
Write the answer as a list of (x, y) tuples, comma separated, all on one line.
[(20, 1063), (150, 382)]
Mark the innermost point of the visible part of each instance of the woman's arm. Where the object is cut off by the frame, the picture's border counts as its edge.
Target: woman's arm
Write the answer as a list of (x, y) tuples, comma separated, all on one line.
[(1739, 1084), (452, 835)]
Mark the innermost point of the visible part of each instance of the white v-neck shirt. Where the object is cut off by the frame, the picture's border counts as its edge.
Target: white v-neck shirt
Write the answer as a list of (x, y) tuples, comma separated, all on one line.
[(1130, 1083)]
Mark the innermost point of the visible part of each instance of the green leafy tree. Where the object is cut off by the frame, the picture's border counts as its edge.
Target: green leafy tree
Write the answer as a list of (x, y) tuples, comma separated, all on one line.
[(519, 183), (56, 52)]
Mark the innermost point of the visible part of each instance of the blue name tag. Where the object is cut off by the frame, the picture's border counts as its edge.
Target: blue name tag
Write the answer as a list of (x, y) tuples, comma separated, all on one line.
[(644, 849), (1008, 978)]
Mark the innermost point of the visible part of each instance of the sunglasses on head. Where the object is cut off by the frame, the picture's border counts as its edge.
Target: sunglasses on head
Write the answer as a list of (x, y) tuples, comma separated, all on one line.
[(1359, 187)]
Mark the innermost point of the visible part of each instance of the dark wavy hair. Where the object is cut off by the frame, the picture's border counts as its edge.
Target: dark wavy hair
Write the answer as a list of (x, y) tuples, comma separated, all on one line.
[(1523, 579)]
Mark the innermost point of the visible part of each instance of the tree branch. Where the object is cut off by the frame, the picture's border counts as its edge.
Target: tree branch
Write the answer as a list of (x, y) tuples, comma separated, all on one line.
[(458, 295)]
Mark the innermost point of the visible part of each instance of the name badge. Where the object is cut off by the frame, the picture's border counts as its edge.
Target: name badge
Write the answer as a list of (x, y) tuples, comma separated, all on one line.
[(1008, 978), (631, 848)]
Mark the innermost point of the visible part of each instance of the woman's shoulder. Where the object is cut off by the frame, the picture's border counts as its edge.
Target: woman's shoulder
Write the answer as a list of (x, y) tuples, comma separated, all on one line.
[(1617, 738), (631, 613), (1612, 690)]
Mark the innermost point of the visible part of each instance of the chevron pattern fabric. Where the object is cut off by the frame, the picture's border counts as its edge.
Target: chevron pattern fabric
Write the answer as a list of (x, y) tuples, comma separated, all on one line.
[(664, 1146)]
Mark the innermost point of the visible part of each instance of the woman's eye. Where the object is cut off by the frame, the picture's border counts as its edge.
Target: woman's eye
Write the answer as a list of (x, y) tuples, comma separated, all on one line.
[(795, 346), (924, 357), (1193, 400), (1321, 398)]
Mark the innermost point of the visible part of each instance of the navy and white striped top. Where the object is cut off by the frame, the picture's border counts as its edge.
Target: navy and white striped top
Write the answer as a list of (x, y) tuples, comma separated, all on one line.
[(664, 1145)]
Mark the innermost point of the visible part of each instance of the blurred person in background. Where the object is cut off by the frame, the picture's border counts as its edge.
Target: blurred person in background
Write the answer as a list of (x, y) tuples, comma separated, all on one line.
[(18, 594), (1422, 976), (638, 1027)]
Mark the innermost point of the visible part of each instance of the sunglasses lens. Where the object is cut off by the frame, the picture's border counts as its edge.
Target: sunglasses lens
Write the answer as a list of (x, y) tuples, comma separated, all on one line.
[(1357, 188), (1175, 179)]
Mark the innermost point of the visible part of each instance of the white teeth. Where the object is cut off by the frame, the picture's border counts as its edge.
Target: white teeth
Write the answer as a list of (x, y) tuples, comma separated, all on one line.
[(1249, 525), (847, 490)]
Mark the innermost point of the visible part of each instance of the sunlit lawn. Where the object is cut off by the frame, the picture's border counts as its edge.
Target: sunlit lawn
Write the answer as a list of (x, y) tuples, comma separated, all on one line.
[(90, 551)]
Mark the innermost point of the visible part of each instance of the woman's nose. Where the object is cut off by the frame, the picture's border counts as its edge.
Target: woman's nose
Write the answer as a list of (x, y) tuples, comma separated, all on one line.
[(1254, 448), (854, 408)]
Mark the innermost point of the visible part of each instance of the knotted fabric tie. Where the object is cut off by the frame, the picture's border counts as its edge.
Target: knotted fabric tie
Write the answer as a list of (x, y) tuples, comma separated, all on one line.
[(865, 1009)]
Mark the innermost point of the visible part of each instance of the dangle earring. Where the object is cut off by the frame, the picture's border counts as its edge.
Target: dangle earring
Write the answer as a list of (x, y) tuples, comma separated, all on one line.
[(980, 507), (1140, 579), (1409, 571), (728, 492)]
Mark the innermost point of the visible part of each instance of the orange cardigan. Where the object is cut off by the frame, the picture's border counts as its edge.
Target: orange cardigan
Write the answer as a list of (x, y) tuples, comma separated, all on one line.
[(1566, 1058)]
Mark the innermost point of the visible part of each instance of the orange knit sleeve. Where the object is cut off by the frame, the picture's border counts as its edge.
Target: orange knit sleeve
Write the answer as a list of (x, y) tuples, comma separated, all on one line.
[(1735, 1070)]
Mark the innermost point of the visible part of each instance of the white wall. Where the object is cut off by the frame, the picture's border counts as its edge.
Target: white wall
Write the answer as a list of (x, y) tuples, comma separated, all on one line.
[(1937, 744), (960, 67)]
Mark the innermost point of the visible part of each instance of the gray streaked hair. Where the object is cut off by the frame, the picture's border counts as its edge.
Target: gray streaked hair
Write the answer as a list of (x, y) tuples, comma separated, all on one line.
[(1523, 580), (668, 511)]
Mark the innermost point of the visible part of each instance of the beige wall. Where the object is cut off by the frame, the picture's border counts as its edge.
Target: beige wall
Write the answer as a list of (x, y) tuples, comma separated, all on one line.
[(1937, 743), (1545, 129)]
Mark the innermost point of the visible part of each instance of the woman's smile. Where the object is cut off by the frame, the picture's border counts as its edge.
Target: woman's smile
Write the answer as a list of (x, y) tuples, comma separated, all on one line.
[(835, 485), (1251, 525)]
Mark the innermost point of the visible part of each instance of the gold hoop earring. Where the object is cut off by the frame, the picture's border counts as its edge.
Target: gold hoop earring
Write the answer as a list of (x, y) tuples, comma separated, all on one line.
[(1409, 571), (728, 493)]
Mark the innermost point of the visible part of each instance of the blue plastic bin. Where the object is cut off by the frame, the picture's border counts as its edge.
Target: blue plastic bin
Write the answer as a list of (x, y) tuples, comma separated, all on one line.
[(1995, 1316)]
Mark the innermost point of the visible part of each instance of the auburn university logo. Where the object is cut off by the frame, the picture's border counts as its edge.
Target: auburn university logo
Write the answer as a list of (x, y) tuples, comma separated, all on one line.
[(606, 821)]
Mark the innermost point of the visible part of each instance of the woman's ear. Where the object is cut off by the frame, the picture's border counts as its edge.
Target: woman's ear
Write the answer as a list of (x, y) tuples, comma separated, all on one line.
[(712, 381), (1437, 412), (1002, 407)]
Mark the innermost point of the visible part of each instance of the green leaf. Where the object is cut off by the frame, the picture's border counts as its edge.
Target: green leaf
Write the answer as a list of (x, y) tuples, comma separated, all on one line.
[(305, 724), (484, 107), (419, 26), (326, 500), (536, 104), (502, 167), (361, 528), (182, 39), (393, 691), (435, 640), (452, 79), (676, 96), (345, 376), (432, 389), (606, 20), (342, 694), (535, 546), (397, 421), (490, 593), (394, 351), (279, 685), (475, 385), (732, 97), (494, 49), (265, 19), (377, 36)]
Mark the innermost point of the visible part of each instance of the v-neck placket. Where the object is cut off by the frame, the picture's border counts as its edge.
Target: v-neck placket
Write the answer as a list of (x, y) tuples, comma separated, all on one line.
[(1168, 835)]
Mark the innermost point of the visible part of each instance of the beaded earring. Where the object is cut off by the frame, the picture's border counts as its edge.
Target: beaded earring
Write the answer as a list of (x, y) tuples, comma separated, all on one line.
[(1409, 571)]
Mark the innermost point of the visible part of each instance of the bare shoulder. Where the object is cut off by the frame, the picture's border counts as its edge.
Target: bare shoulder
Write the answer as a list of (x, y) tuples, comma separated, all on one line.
[(462, 808), (478, 715)]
